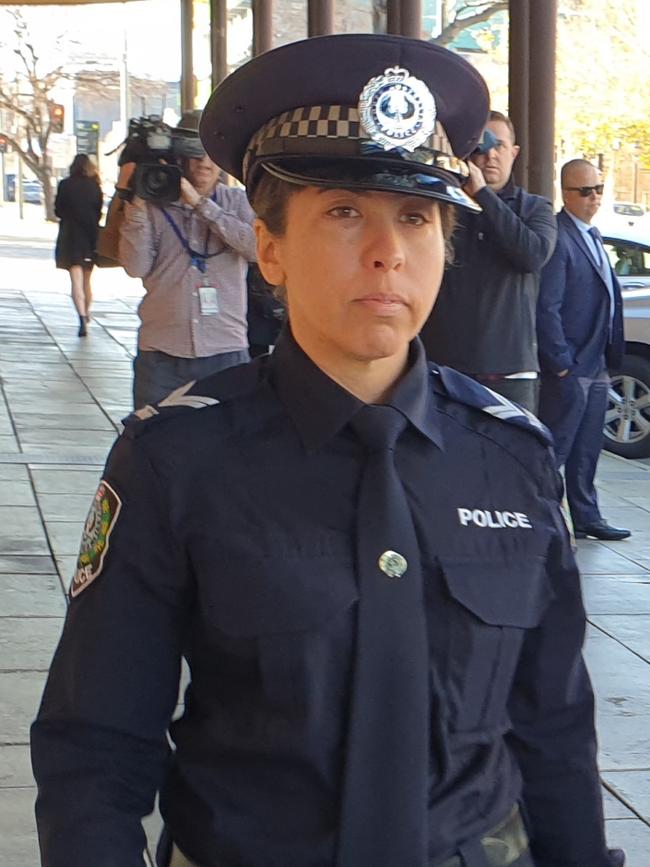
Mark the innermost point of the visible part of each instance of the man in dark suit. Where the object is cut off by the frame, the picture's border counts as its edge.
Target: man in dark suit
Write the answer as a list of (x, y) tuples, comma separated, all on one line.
[(580, 335)]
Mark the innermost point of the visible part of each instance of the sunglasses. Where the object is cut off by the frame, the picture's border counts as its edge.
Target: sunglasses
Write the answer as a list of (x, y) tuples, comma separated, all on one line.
[(587, 191)]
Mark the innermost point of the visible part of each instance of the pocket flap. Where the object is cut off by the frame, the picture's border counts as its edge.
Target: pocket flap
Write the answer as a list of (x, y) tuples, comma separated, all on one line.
[(513, 592)]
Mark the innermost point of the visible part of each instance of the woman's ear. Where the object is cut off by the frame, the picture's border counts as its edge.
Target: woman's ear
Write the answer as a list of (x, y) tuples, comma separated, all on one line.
[(269, 257)]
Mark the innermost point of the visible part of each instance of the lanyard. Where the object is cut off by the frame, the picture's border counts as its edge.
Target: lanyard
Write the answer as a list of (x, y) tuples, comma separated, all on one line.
[(197, 259)]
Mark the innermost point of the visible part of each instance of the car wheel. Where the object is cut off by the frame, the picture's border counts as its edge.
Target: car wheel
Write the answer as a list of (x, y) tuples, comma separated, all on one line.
[(627, 420)]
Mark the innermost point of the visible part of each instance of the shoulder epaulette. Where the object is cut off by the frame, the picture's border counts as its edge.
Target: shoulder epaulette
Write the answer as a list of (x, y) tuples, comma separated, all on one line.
[(466, 390), (197, 394)]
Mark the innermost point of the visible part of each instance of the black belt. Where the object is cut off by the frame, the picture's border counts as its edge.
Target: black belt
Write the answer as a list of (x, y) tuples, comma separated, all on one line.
[(502, 846)]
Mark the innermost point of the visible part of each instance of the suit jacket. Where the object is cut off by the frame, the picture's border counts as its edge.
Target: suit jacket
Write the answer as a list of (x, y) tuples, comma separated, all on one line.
[(573, 309)]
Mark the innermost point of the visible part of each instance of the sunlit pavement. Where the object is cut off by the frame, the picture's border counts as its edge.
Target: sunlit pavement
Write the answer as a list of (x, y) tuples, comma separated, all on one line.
[(61, 402)]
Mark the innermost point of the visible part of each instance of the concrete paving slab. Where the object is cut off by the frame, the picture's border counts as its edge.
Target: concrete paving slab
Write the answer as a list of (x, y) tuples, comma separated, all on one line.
[(31, 595), (616, 594), (65, 536), (13, 472), (93, 420), (28, 643), (21, 693), (8, 444), (639, 502), (21, 531), (66, 567), (65, 481), (632, 787), (32, 439), (21, 564), (622, 690), (15, 767), (18, 839), (595, 558), (613, 807), (632, 631), (634, 487), (633, 836), (71, 507), (16, 493), (79, 405)]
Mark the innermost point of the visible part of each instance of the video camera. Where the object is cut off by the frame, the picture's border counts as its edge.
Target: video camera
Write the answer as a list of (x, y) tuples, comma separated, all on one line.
[(487, 142), (157, 148)]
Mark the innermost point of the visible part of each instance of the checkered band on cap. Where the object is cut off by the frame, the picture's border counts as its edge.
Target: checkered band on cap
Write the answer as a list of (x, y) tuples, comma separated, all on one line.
[(332, 122)]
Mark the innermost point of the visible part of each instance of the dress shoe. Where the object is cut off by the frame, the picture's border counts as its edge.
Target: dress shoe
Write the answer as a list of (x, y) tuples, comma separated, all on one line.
[(616, 857), (83, 320), (601, 530)]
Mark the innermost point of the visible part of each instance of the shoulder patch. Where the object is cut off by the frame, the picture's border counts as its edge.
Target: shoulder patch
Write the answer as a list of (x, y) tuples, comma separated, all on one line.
[(466, 390), (217, 388), (179, 397), (99, 525)]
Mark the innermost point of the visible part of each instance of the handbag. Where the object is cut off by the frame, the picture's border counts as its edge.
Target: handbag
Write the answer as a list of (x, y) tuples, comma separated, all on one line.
[(108, 235)]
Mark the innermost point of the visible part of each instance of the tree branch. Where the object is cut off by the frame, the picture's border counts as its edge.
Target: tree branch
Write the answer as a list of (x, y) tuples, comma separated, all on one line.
[(456, 27)]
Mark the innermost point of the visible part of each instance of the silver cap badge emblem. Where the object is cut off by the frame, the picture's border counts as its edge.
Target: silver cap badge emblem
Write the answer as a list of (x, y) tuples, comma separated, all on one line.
[(397, 110)]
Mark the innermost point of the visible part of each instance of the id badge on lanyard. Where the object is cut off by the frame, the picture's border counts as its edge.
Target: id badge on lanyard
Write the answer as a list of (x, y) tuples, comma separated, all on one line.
[(208, 301)]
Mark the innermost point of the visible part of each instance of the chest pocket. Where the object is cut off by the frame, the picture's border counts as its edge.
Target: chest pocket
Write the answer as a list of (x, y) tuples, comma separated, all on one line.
[(283, 618), (491, 605)]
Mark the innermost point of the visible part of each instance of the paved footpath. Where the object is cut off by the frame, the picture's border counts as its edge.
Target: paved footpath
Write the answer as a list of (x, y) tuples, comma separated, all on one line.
[(61, 401)]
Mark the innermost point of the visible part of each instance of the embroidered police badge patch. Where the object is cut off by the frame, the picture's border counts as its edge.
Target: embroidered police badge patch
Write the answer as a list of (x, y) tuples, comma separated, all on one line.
[(94, 542)]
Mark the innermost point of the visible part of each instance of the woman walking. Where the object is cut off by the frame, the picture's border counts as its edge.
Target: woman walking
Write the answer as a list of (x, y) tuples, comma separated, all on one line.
[(78, 206)]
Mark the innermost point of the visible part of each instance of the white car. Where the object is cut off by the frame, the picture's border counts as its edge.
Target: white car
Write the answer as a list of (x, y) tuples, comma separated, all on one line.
[(627, 422)]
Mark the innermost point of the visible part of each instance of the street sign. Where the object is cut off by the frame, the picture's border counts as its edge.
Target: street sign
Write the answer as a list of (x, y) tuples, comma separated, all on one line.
[(87, 134)]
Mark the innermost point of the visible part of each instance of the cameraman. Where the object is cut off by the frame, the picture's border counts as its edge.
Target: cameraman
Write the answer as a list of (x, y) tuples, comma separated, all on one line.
[(192, 256)]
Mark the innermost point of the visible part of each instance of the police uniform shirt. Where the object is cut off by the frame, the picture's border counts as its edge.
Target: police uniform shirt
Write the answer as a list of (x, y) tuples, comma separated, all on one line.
[(229, 537)]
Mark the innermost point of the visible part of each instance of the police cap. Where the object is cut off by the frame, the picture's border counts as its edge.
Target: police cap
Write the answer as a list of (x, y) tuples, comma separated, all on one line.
[(363, 111)]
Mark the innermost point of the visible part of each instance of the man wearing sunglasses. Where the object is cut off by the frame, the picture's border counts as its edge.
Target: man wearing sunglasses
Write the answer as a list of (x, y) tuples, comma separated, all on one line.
[(580, 334)]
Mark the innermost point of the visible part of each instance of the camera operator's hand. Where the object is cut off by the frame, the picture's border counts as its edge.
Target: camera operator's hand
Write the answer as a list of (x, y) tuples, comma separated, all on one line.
[(475, 181), (124, 183), (188, 194)]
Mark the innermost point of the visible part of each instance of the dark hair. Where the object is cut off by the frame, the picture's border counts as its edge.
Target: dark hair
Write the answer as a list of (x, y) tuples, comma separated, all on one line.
[(83, 167), (503, 118), (271, 195)]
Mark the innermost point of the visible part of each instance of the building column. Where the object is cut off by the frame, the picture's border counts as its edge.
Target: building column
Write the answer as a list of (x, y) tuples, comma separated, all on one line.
[(392, 16), (532, 91), (187, 59), (262, 26), (410, 18), (518, 96), (320, 17), (219, 40), (541, 124)]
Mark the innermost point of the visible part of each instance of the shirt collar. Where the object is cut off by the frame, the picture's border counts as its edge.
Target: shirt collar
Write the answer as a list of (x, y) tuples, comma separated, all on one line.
[(320, 408), (509, 191), (584, 227)]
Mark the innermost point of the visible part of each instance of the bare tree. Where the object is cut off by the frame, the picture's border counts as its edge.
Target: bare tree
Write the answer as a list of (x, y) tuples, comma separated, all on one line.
[(27, 98)]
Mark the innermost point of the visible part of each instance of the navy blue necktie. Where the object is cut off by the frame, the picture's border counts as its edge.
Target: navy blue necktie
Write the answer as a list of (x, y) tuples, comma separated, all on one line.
[(598, 241), (384, 813)]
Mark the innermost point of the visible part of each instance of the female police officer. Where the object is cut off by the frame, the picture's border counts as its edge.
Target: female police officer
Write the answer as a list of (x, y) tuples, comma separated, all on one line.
[(360, 556)]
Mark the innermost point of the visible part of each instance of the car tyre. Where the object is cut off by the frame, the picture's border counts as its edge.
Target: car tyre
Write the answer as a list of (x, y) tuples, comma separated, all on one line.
[(627, 419)]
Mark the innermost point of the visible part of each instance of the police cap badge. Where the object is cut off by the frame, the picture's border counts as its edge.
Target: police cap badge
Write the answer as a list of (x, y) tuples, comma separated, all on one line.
[(367, 111)]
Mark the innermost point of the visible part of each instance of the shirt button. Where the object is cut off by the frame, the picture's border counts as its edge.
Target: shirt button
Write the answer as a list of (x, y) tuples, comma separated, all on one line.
[(392, 564)]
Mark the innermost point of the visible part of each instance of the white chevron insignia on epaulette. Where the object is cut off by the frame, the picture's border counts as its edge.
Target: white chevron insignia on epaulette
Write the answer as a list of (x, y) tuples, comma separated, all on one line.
[(179, 397), (506, 409)]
